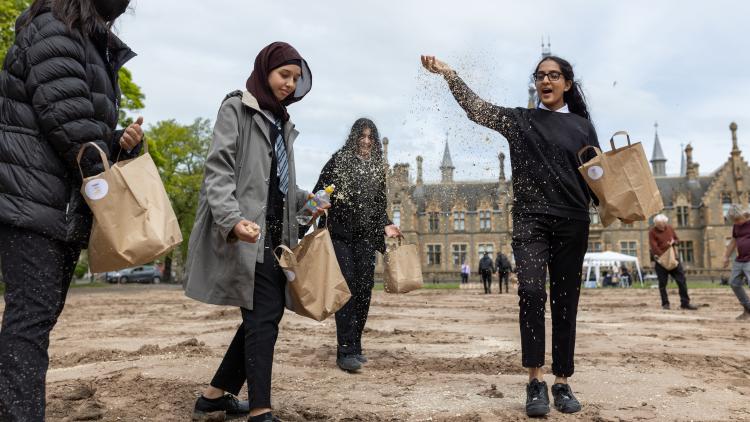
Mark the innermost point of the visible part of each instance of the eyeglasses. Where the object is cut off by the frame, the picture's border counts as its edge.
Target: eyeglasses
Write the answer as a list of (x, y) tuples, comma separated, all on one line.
[(553, 76)]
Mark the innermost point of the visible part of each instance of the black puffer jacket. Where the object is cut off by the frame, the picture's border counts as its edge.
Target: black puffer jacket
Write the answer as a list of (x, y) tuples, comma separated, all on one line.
[(58, 90), (359, 202)]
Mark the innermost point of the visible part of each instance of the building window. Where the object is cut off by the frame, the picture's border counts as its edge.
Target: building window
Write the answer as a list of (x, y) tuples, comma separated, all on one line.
[(594, 215), (685, 250), (629, 247), (682, 216), (459, 254), (485, 220), (726, 202), (434, 218), (459, 221), (486, 247), (433, 254), (397, 214), (595, 247)]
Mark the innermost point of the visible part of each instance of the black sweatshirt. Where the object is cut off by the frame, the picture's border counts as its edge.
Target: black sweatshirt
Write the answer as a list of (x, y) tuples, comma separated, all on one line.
[(359, 201), (543, 153)]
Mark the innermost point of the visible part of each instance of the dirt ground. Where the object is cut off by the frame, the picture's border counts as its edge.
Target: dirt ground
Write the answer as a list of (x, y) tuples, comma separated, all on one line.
[(135, 353)]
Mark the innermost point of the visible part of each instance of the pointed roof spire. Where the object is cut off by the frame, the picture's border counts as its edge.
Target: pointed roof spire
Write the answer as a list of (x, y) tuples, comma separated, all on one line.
[(546, 51), (683, 163), (447, 162), (658, 154)]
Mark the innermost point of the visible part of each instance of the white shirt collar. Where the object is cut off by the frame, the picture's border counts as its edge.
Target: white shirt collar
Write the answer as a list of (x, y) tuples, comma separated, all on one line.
[(563, 109)]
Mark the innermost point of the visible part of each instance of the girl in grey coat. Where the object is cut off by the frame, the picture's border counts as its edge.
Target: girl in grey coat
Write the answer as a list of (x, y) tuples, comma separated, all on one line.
[(248, 204)]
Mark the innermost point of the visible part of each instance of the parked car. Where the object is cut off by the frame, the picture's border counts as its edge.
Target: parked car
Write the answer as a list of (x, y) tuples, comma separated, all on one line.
[(141, 274)]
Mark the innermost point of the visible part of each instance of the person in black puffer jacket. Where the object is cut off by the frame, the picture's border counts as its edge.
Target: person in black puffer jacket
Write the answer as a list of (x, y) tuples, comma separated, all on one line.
[(358, 223), (58, 91)]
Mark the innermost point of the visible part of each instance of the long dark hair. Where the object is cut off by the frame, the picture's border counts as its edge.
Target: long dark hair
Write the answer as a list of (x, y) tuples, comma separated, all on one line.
[(359, 126), (78, 15), (574, 97)]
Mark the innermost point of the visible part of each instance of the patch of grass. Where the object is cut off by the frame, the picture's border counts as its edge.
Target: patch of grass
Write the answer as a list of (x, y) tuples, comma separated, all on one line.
[(73, 285), (427, 286), (698, 284)]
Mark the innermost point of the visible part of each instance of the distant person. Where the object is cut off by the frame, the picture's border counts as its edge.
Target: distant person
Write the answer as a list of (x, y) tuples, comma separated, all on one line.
[(551, 203), (661, 237), (607, 280), (625, 277), (741, 265), (486, 269), (502, 264), (465, 271), (58, 91)]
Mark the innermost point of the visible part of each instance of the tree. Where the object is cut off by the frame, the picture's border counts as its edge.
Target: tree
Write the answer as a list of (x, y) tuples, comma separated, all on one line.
[(9, 11), (179, 152), (132, 97)]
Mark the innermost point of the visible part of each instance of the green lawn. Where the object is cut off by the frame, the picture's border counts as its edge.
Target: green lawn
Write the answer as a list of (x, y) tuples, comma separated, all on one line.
[(72, 286), (427, 286)]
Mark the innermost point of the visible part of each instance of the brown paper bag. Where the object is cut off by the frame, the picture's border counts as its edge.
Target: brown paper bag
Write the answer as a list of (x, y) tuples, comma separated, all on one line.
[(403, 270), (623, 182), (133, 219), (316, 287), (668, 259)]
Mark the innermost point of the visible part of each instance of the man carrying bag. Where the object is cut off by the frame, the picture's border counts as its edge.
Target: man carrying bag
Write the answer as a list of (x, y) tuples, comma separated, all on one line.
[(662, 240)]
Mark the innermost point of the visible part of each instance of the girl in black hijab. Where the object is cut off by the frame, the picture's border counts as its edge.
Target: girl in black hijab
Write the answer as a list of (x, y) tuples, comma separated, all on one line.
[(247, 208)]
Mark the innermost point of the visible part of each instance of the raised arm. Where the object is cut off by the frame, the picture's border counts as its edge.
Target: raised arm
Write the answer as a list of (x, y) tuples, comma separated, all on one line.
[(501, 119)]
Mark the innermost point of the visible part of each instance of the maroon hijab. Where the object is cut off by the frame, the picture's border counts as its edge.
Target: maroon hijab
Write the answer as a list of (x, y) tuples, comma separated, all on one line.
[(275, 55)]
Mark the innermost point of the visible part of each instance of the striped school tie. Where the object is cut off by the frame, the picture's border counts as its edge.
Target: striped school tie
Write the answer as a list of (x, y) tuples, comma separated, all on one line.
[(282, 164)]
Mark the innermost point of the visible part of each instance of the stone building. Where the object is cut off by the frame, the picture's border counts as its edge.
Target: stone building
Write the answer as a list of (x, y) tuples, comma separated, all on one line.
[(455, 220)]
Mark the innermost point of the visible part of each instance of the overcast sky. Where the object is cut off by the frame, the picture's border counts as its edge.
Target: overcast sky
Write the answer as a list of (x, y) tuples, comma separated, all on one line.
[(683, 64)]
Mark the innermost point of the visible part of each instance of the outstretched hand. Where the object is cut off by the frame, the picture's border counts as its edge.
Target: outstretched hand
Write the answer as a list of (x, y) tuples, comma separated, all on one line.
[(435, 66), (392, 230)]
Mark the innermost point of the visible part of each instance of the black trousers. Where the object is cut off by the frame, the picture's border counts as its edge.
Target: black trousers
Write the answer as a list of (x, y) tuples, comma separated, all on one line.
[(357, 261), (486, 280), (464, 278), (250, 355), (37, 272), (678, 274), (541, 242), (503, 276)]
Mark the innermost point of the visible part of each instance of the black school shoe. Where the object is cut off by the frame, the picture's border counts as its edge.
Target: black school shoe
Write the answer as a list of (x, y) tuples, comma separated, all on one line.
[(537, 398), (565, 401), (229, 405), (266, 417), (349, 363), (361, 358)]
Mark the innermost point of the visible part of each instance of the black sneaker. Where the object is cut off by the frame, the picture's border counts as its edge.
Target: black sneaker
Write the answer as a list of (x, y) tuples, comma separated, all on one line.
[(565, 401), (537, 398), (665, 306), (361, 358), (266, 417), (349, 363), (228, 405), (689, 307)]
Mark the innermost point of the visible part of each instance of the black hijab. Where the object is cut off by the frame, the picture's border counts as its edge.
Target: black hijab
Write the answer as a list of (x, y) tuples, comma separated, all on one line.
[(273, 56)]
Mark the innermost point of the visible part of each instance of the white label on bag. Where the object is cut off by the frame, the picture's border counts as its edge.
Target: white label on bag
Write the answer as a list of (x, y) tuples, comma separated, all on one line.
[(96, 189), (595, 172), (290, 276)]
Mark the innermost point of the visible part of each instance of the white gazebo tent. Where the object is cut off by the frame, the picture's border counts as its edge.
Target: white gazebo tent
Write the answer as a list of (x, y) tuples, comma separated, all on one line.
[(593, 261)]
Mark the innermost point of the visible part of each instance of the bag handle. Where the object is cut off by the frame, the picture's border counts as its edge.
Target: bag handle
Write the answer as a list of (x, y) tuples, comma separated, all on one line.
[(284, 248), (102, 155), (586, 148), (619, 132), (400, 238), (317, 221)]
